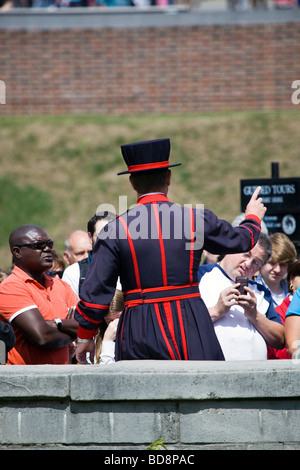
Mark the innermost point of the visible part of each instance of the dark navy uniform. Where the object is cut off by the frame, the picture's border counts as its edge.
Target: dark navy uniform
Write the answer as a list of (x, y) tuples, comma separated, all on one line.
[(155, 248), (164, 315)]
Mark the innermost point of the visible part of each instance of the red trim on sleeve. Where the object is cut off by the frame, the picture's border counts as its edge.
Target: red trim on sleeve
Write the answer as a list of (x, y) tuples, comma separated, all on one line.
[(82, 333), (90, 320), (252, 239), (100, 307), (254, 217)]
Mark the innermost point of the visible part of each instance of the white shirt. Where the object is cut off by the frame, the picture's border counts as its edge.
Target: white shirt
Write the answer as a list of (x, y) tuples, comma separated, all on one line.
[(71, 275), (278, 298), (107, 352), (237, 336)]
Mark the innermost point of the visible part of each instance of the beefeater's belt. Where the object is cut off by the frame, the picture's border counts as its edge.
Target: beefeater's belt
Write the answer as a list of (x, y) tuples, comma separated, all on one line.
[(160, 294)]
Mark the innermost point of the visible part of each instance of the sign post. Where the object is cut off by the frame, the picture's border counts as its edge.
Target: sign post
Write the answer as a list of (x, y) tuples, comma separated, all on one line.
[(281, 196)]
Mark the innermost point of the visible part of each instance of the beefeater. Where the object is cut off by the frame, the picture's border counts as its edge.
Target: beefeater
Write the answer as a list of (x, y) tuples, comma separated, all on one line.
[(155, 249)]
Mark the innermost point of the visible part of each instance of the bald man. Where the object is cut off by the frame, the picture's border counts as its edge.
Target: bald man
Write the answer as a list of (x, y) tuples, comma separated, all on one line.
[(36, 305), (77, 247)]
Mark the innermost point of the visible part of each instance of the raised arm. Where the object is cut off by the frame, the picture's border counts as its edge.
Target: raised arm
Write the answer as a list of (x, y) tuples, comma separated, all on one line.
[(255, 206)]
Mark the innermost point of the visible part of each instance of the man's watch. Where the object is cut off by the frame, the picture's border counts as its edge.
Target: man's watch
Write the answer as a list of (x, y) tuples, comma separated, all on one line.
[(58, 323)]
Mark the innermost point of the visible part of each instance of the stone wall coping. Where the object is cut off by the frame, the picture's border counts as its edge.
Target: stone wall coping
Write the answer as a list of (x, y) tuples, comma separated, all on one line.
[(153, 380)]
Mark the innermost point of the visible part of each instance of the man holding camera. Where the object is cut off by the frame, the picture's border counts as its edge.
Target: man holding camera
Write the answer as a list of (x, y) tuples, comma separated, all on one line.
[(244, 317)]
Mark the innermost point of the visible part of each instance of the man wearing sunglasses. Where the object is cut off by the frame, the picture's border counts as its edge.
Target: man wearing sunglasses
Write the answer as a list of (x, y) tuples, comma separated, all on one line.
[(36, 305)]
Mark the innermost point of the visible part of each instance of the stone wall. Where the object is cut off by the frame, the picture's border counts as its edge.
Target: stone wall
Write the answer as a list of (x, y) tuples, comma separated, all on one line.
[(107, 61), (128, 405)]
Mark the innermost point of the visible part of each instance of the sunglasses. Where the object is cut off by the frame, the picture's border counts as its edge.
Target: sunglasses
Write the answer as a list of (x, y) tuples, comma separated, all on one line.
[(55, 273), (39, 246)]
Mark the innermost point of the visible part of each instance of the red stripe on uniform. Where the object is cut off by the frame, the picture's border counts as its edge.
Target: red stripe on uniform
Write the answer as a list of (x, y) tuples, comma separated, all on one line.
[(161, 244), (169, 317), (121, 333), (134, 259), (132, 303), (152, 198), (160, 288), (182, 330), (163, 332), (252, 239), (192, 224)]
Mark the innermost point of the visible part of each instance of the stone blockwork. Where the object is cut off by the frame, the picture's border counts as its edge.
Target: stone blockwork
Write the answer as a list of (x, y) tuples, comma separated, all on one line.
[(128, 405), (96, 61)]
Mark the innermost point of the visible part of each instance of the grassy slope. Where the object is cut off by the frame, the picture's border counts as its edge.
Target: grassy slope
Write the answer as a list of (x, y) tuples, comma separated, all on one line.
[(55, 171)]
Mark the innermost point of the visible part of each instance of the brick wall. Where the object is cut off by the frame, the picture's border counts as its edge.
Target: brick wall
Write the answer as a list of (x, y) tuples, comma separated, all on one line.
[(189, 68)]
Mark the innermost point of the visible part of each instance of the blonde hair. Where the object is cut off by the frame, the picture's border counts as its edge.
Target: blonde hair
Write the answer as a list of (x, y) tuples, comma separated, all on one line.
[(116, 305), (283, 250)]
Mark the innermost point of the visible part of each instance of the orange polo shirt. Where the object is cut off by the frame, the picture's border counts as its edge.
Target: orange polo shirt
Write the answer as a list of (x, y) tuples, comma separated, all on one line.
[(18, 293)]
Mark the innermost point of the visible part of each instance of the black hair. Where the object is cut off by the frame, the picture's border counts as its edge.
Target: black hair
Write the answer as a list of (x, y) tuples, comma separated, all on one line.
[(149, 181), (93, 220)]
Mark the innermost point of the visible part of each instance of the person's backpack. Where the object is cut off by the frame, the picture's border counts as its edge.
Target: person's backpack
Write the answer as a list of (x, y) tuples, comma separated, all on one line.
[(83, 268)]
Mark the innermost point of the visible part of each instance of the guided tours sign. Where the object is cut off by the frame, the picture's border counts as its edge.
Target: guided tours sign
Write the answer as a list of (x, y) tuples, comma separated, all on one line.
[(281, 196)]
